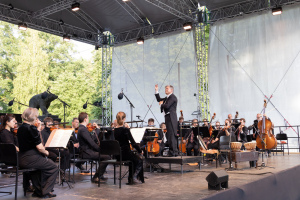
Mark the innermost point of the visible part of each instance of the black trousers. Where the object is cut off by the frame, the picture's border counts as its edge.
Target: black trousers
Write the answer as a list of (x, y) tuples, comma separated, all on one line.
[(138, 169), (171, 125), (190, 147), (94, 155), (43, 180)]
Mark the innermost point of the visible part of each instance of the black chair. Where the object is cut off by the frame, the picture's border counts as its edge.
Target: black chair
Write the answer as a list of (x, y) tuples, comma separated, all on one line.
[(283, 140), (224, 146), (9, 156), (112, 147), (77, 159)]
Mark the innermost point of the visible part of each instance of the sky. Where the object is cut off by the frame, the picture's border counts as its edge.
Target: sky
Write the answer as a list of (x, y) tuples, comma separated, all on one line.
[(84, 50)]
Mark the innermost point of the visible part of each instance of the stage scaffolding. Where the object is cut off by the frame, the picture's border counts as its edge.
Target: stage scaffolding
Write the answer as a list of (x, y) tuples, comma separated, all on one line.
[(106, 87), (201, 49)]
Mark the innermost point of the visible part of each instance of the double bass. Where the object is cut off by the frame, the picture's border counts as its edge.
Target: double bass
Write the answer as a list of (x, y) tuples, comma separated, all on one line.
[(265, 140)]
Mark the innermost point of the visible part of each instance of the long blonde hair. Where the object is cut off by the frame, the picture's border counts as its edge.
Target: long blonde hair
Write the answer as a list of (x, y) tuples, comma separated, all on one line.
[(120, 117)]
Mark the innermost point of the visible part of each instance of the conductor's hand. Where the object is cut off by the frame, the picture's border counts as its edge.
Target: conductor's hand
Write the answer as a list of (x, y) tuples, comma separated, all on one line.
[(161, 102), (156, 88)]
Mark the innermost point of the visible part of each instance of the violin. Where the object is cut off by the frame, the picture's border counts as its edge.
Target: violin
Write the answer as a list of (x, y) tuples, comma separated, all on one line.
[(15, 129), (90, 127)]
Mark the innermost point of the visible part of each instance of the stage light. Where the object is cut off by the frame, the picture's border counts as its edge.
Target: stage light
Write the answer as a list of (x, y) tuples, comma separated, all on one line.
[(187, 26), (22, 26), (75, 6), (276, 11), (66, 38), (140, 40)]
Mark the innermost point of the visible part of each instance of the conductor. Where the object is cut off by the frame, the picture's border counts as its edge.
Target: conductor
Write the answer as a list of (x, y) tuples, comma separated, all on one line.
[(168, 107)]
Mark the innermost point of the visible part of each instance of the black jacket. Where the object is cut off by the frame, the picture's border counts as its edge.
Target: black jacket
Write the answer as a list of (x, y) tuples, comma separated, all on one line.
[(169, 105), (87, 144)]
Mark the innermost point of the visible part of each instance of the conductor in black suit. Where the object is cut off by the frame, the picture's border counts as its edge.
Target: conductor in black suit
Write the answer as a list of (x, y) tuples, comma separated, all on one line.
[(168, 107)]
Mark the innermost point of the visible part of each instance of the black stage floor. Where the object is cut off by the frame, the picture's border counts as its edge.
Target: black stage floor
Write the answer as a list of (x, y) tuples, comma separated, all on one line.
[(171, 185)]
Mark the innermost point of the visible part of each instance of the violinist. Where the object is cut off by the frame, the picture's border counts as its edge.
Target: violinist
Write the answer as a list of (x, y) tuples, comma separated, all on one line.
[(8, 122), (226, 131), (88, 148), (56, 124), (123, 136), (74, 139), (217, 126), (191, 139), (162, 138), (241, 132), (54, 153), (32, 155)]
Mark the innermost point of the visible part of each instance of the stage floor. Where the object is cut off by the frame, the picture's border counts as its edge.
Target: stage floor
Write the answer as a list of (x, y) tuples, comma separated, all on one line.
[(162, 185)]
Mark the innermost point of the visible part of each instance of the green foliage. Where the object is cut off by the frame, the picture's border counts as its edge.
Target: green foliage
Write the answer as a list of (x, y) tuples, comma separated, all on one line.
[(32, 61)]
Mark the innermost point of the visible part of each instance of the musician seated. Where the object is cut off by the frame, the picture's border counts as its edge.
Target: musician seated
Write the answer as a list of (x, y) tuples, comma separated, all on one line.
[(191, 140), (151, 122), (56, 124), (54, 153), (217, 126), (32, 155), (162, 138), (180, 123), (142, 142), (242, 131), (205, 123), (215, 143), (7, 124), (74, 139), (123, 136), (88, 148)]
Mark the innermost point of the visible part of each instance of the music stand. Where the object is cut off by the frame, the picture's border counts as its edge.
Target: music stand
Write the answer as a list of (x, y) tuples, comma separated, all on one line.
[(149, 136), (202, 131)]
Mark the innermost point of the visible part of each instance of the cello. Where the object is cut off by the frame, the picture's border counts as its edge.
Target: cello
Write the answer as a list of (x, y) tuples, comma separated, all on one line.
[(266, 139), (153, 147), (182, 145)]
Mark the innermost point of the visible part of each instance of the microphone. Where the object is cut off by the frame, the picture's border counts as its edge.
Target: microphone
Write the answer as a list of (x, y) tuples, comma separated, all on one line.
[(85, 105), (120, 96), (11, 102)]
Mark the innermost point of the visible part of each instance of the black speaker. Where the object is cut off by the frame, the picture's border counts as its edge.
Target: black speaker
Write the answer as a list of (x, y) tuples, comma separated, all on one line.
[(217, 180)]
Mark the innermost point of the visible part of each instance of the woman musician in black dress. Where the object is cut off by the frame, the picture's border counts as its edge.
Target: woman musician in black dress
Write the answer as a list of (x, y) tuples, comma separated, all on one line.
[(123, 136), (32, 154), (8, 122)]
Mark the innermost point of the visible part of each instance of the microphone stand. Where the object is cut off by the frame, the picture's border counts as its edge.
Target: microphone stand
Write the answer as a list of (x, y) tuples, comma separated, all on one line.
[(131, 106), (65, 105), (20, 103)]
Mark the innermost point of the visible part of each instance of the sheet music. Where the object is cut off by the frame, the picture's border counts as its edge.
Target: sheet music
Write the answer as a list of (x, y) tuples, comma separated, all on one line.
[(59, 138), (138, 133)]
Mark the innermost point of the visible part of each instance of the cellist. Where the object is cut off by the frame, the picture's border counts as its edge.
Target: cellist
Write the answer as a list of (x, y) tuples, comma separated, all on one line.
[(162, 138)]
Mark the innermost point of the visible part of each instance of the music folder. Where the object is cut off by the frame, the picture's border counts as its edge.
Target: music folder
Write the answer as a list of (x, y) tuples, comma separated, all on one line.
[(59, 138), (202, 131)]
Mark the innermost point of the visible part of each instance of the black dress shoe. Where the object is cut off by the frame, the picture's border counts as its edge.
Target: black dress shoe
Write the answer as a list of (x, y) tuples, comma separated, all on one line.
[(48, 196), (95, 180)]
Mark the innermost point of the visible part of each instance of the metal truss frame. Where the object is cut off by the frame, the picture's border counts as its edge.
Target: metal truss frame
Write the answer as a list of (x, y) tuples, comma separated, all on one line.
[(54, 8), (148, 31), (106, 85), (16, 16), (201, 50), (245, 7), (183, 9), (133, 11)]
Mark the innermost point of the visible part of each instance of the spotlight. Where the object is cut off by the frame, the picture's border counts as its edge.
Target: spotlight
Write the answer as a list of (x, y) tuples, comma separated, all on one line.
[(75, 6), (22, 26), (140, 40), (66, 38), (187, 26), (276, 11)]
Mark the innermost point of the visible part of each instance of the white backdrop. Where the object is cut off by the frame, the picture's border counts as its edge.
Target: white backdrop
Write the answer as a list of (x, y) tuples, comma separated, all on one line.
[(137, 68), (265, 47)]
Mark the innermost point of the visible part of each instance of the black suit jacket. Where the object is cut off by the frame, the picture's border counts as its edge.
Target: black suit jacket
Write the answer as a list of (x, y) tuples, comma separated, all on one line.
[(87, 145), (169, 105), (243, 135)]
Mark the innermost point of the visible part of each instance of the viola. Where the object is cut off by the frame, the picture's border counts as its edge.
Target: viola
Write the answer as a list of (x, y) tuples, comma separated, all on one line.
[(76, 130), (15, 129)]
